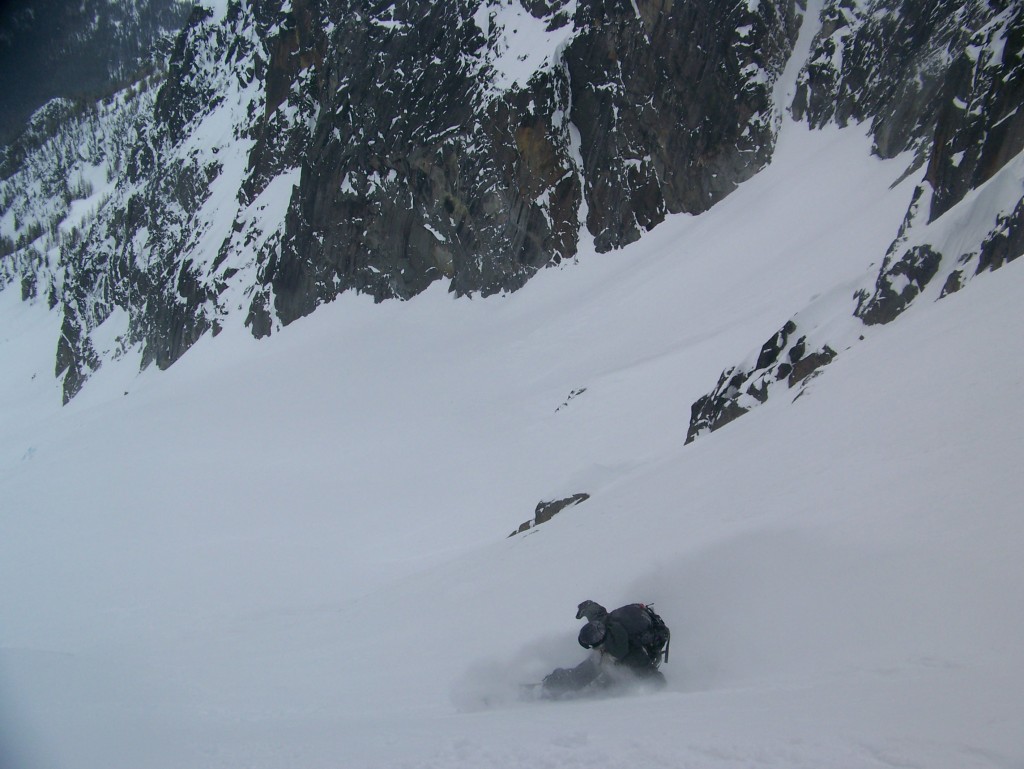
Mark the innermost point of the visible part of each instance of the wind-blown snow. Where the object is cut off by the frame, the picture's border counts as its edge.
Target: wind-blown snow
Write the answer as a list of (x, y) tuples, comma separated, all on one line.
[(293, 552)]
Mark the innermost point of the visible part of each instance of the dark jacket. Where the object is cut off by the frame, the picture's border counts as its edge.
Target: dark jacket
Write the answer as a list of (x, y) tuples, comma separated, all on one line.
[(625, 629)]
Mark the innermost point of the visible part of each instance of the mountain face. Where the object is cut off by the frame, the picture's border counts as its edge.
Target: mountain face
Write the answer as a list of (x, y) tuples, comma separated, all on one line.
[(297, 150), (431, 156)]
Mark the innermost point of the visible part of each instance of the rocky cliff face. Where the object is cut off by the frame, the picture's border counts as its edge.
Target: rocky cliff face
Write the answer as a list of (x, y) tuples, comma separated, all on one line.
[(469, 141), (295, 150)]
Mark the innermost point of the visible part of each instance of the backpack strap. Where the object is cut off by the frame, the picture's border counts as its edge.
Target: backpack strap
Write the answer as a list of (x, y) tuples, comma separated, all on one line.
[(660, 630)]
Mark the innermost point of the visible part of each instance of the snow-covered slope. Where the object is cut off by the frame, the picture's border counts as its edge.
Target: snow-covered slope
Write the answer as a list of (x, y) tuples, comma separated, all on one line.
[(293, 552)]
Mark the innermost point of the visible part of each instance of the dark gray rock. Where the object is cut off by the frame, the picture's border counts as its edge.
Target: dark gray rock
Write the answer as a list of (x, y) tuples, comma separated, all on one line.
[(807, 366), (979, 125), (783, 358), (954, 282), (1005, 243), (899, 283), (547, 510), (673, 106)]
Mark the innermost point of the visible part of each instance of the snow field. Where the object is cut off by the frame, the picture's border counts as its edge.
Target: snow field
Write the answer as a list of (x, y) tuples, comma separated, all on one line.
[(292, 553)]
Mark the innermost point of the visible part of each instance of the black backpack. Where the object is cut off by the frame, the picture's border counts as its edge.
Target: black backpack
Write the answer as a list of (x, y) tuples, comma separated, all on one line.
[(656, 640)]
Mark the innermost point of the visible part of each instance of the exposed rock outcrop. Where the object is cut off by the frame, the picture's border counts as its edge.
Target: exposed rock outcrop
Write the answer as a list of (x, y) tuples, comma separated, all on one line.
[(784, 358), (547, 510)]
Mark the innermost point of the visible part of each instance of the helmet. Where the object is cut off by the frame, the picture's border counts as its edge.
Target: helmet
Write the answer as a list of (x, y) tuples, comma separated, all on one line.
[(592, 634)]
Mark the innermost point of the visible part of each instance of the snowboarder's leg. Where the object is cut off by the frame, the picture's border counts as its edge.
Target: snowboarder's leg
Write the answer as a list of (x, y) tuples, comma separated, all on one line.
[(566, 680)]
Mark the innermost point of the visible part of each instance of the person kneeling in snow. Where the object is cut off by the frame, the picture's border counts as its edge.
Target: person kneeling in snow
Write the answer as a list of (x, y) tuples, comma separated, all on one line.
[(629, 643)]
